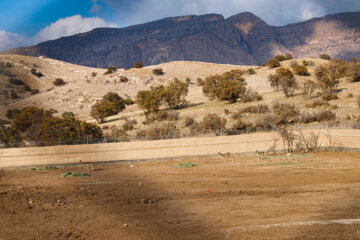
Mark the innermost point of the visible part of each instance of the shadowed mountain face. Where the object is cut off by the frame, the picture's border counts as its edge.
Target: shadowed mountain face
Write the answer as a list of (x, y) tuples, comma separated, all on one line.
[(241, 39)]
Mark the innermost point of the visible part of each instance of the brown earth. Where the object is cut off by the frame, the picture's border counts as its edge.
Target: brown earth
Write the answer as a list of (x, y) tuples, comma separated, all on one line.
[(220, 199)]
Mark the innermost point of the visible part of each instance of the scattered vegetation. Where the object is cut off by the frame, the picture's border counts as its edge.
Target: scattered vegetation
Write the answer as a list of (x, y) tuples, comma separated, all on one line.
[(110, 70), (158, 71), (138, 65), (70, 174), (36, 73), (325, 56), (185, 164)]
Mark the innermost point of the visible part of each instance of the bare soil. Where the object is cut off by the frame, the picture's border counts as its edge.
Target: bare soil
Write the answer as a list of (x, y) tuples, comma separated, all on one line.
[(239, 198)]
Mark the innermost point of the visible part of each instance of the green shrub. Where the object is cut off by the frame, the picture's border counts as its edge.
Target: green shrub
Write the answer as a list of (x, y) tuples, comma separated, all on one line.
[(59, 82), (280, 58), (110, 70), (325, 56), (158, 71), (273, 63), (301, 70), (138, 65), (228, 86)]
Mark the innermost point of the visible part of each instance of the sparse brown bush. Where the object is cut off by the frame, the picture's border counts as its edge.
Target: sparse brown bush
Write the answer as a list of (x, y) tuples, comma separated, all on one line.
[(354, 60), (189, 121), (200, 82), (322, 116), (118, 134), (94, 74), (309, 88), (226, 111), (286, 113), (123, 79), (164, 115), (350, 95), (158, 71), (276, 79), (294, 63), (59, 82), (329, 97), (164, 131), (354, 72), (301, 70), (288, 137), (288, 86), (325, 56), (267, 121), (250, 96), (188, 81), (213, 123), (251, 71), (328, 75), (288, 56), (256, 109), (317, 103), (138, 65), (110, 70), (239, 125)]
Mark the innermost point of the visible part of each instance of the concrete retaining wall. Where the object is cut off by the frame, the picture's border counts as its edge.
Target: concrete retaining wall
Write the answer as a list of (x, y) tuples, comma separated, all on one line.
[(18, 157)]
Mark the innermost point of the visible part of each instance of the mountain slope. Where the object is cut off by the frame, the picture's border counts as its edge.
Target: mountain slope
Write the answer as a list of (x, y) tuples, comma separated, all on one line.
[(240, 39)]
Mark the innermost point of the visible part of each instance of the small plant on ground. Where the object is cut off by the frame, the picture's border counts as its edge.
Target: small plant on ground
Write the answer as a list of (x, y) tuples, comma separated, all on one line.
[(185, 164), (70, 174), (110, 70), (59, 82)]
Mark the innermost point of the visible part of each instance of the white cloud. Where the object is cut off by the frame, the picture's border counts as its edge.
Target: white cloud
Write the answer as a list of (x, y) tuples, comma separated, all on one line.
[(70, 26), (10, 40), (61, 28)]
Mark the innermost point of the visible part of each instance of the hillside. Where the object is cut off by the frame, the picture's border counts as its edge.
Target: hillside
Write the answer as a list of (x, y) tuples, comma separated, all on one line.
[(83, 88), (243, 39)]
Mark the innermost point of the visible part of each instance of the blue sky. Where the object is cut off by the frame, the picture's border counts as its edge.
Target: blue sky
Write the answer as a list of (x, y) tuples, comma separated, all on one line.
[(27, 22)]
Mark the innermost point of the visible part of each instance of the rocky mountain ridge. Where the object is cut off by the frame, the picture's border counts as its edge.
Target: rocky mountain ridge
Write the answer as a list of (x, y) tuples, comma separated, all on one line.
[(243, 39)]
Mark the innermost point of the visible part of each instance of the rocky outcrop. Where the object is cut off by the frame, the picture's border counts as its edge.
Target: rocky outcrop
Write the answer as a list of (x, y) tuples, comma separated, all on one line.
[(241, 39)]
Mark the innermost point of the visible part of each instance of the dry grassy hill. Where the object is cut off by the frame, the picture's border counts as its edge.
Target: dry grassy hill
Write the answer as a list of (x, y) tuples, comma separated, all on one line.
[(83, 88)]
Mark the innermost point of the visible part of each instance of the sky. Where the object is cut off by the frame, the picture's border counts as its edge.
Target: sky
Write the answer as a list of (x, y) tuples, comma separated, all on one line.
[(28, 22)]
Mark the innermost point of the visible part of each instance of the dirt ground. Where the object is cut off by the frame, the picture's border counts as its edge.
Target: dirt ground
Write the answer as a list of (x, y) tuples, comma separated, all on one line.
[(307, 196)]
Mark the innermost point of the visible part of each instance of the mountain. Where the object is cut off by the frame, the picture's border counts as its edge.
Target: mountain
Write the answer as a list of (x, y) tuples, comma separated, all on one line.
[(241, 39)]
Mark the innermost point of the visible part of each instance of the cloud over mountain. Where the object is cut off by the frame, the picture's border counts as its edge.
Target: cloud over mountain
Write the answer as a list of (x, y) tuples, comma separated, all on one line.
[(63, 27)]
